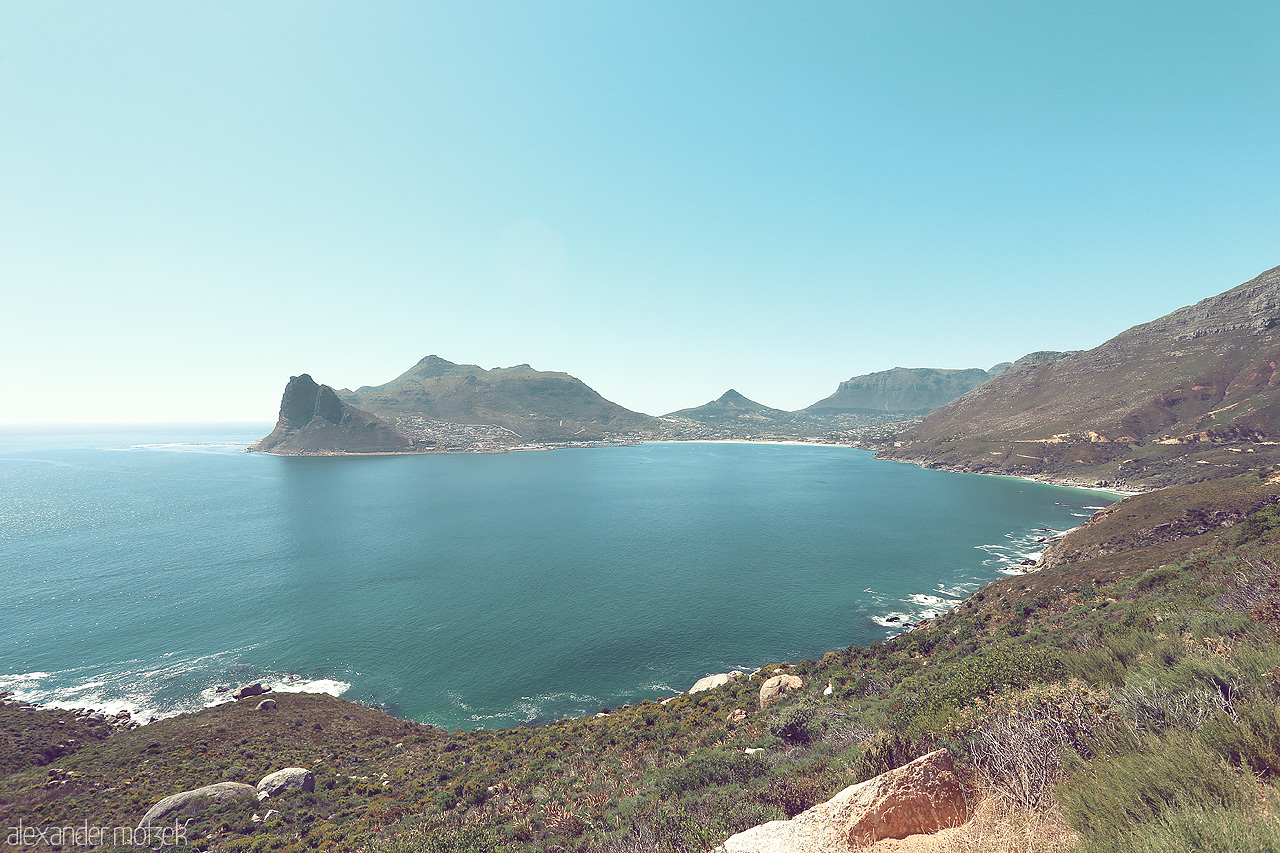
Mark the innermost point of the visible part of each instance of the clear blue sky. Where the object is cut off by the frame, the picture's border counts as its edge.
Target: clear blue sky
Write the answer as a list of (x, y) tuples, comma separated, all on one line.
[(665, 199)]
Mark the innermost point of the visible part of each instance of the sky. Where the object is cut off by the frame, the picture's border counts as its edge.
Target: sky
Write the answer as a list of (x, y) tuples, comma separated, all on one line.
[(664, 199)]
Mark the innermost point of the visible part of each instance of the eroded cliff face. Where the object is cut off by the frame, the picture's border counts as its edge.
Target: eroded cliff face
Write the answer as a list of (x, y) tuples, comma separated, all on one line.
[(313, 421)]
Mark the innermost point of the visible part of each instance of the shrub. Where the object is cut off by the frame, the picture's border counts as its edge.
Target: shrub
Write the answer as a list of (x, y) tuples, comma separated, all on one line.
[(1250, 736), (997, 667), (714, 767), (801, 723), (1021, 742)]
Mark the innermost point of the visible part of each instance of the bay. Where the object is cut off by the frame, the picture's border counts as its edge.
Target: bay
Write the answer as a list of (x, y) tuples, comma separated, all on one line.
[(149, 568)]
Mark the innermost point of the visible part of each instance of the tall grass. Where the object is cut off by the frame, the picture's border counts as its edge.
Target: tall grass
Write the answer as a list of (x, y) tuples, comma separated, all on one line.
[(1175, 782)]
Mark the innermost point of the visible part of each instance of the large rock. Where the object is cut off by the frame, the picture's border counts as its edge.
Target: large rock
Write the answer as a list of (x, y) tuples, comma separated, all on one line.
[(288, 779), (918, 798), (255, 689), (217, 791), (315, 421), (776, 686), (711, 682)]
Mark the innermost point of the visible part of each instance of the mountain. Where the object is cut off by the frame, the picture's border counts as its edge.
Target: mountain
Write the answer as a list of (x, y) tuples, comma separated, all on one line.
[(1186, 397), (314, 421), (526, 404), (731, 406), (906, 390)]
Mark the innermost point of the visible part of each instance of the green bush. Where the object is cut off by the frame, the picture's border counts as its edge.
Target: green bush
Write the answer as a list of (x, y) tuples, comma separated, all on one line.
[(1256, 526), (799, 724), (714, 767), (997, 667)]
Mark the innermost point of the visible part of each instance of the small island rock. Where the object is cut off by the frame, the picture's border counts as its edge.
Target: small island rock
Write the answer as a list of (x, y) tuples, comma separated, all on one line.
[(255, 689)]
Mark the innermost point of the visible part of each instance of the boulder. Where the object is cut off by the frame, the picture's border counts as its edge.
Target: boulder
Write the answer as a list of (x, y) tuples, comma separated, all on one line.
[(216, 791), (266, 705), (776, 686), (711, 682), (255, 689), (288, 779), (915, 799), (737, 715)]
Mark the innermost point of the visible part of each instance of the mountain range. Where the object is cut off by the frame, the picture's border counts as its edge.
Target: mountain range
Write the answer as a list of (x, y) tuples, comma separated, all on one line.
[(439, 405), (1193, 395)]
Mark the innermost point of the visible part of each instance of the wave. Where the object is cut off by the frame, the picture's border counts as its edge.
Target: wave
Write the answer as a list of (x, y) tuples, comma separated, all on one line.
[(150, 691)]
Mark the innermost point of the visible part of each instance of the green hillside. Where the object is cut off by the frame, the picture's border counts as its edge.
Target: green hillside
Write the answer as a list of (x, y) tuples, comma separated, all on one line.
[(532, 405)]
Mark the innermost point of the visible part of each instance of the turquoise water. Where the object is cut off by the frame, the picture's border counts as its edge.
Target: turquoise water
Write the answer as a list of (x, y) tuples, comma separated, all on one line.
[(145, 569)]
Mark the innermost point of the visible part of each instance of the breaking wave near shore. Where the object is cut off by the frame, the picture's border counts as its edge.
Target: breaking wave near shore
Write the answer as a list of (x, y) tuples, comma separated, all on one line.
[(1014, 556), (150, 691)]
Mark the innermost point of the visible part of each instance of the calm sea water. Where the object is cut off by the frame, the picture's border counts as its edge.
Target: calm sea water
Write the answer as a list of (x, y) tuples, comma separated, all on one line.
[(146, 569)]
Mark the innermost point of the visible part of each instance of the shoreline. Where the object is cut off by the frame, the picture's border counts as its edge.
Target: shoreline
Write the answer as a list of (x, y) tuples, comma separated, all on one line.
[(1044, 479), (533, 448)]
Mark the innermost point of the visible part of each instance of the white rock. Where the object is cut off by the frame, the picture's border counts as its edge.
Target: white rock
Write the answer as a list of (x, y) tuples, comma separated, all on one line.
[(216, 791), (288, 779), (711, 682)]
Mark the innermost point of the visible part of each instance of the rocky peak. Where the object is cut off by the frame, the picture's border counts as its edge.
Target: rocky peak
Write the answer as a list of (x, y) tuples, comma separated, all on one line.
[(298, 404), (313, 419)]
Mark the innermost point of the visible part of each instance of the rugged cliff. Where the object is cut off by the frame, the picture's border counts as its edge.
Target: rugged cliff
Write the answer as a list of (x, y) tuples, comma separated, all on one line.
[(314, 421)]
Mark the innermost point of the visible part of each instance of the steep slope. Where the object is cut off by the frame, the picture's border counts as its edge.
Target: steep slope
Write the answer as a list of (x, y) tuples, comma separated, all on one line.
[(533, 405), (314, 421), (1179, 390), (906, 390)]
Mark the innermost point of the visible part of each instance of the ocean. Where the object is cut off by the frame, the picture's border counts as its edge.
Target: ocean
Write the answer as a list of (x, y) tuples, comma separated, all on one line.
[(152, 568)]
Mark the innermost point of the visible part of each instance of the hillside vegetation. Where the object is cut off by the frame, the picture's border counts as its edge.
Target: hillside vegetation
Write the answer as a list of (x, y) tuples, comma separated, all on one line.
[(1122, 697)]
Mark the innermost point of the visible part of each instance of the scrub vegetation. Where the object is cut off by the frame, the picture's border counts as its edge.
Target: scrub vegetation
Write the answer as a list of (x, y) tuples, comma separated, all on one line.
[(1124, 697)]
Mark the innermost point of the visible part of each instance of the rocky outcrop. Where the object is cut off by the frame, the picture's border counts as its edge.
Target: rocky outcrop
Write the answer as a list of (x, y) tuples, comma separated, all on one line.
[(313, 421), (777, 685), (918, 798), (266, 705), (255, 689), (288, 779), (711, 682), (219, 791)]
